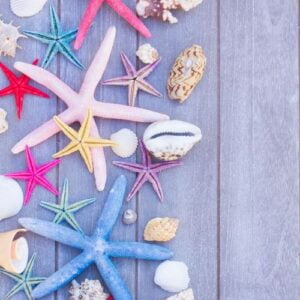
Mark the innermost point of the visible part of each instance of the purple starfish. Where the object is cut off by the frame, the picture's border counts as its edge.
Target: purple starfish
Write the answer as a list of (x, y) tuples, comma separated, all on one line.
[(135, 79), (147, 171)]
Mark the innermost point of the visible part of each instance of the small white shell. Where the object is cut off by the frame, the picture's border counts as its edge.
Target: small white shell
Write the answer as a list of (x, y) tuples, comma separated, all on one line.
[(147, 54), (129, 216), (3, 122), (172, 276), (172, 139), (127, 142), (11, 197), (26, 8), (21, 250), (185, 295)]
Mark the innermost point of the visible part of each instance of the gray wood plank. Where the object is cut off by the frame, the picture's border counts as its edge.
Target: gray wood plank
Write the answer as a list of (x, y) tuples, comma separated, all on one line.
[(259, 150), (190, 190), (36, 111)]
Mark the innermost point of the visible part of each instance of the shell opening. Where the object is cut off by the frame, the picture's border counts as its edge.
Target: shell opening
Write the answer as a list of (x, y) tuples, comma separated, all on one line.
[(19, 254)]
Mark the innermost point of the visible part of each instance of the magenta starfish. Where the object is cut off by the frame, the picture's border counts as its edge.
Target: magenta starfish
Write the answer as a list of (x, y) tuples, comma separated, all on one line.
[(35, 175), (19, 87), (135, 79), (147, 171)]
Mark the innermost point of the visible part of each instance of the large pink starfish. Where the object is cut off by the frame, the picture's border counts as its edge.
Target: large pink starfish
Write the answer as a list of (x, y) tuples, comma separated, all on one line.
[(79, 104), (119, 7), (35, 175)]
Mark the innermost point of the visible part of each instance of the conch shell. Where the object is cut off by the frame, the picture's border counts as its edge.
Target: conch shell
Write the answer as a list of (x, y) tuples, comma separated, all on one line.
[(13, 252), (186, 73), (161, 229)]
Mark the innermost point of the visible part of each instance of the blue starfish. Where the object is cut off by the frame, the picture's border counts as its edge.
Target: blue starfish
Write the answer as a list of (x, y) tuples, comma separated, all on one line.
[(64, 211), (58, 41), (97, 248), (24, 280)]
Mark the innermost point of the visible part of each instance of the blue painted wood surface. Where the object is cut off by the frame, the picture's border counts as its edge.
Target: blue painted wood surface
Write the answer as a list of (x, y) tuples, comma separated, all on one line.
[(237, 195)]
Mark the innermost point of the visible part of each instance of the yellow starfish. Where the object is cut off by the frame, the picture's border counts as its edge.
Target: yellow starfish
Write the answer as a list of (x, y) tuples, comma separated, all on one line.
[(81, 141)]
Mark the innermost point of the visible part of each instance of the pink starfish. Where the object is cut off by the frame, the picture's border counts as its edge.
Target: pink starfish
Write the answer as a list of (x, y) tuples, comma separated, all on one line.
[(119, 7), (79, 104), (35, 175), (147, 171)]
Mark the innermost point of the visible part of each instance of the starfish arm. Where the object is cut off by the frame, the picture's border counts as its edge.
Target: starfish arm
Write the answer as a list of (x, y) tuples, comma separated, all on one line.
[(81, 204), (66, 50), (64, 275), (54, 20), (129, 67), (145, 71), (36, 280), (19, 175), (50, 206), (122, 10), (30, 161), (50, 54), (48, 166), (28, 291), (17, 288), (45, 38), (85, 127), (138, 250), (34, 91), (124, 112), (69, 35), (67, 130), (165, 165), (70, 219), (8, 73), (111, 208), (96, 142), (6, 91), (13, 276), (147, 87), (44, 132), (115, 284), (122, 81), (156, 186), (86, 154), (41, 180), (129, 166), (49, 80), (29, 190), (87, 21), (139, 182), (28, 270), (146, 159), (98, 65), (55, 232), (132, 93), (69, 149)]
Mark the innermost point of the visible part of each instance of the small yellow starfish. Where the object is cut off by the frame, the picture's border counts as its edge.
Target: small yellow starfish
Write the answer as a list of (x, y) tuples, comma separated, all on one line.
[(81, 141)]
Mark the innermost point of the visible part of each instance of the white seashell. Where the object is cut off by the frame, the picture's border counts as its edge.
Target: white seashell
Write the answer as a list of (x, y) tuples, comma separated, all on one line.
[(27, 8), (172, 276), (9, 35), (11, 197), (126, 141), (172, 139), (3, 122), (147, 54), (20, 257), (129, 216), (185, 295)]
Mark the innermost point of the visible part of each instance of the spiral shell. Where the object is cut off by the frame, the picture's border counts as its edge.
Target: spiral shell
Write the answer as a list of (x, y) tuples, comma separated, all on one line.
[(161, 229), (186, 73)]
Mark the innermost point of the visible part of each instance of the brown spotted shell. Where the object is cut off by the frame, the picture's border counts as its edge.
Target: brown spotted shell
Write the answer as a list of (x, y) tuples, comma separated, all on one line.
[(186, 73), (161, 229)]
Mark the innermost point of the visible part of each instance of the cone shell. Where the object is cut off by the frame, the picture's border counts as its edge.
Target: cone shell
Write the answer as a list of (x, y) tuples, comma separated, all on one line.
[(171, 139), (161, 229), (26, 8), (186, 73), (13, 251)]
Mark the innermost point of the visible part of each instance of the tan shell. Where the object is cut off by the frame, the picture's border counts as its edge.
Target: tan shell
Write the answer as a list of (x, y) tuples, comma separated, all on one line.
[(186, 73), (161, 229)]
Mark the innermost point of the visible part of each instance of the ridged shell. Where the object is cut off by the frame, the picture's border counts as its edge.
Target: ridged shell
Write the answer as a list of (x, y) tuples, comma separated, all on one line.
[(185, 295), (27, 8), (172, 139), (3, 122), (161, 229), (186, 73)]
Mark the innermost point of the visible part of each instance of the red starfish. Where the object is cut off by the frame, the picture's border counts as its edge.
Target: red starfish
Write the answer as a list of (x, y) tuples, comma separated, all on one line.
[(35, 175), (119, 7), (19, 87)]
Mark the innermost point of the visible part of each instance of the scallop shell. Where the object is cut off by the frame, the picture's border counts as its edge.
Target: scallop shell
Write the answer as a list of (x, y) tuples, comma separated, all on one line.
[(147, 54), (9, 35), (26, 8), (186, 73), (126, 141), (161, 229), (185, 295), (3, 122), (172, 139)]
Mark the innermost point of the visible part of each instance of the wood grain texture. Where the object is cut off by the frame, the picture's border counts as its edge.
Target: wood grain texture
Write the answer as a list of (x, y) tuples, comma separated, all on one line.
[(259, 250)]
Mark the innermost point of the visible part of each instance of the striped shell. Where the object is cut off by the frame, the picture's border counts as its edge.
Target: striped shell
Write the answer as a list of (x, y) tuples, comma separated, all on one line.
[(26, 8), (186, 73), (161, 229), (172, 139)]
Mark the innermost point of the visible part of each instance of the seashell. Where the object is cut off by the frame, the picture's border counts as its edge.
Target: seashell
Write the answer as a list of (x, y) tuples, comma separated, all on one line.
[(185, 295), (147, 54), (171, 139), (172, 276), (9, 35), (129, 216), (26, 8), (161, 229), (126, 141), (186, 73), (11, 197), (13, 251), (3, 122), (87, 290)]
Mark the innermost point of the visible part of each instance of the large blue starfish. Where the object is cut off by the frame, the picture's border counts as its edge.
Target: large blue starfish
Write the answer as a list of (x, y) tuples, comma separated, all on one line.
[(97, 248), (58, 41)]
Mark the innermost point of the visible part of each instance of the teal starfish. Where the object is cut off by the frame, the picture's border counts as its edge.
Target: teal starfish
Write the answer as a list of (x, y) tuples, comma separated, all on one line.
[(64, 211), (58, 41), (24, 281)]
